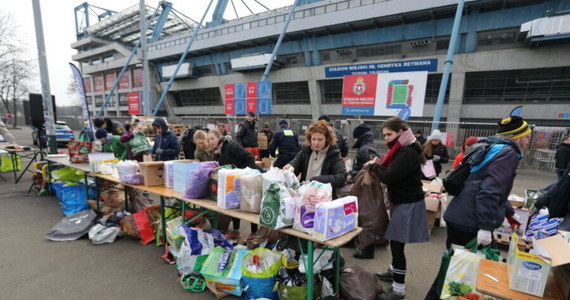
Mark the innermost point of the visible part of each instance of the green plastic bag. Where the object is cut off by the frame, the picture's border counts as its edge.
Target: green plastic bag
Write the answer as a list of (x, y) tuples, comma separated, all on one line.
[(287, 292), (139, 144), (7, 165), (269, 263), (67, 175)]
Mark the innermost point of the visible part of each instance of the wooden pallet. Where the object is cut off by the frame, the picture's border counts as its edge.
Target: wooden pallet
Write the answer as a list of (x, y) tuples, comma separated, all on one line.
[(523, 245)]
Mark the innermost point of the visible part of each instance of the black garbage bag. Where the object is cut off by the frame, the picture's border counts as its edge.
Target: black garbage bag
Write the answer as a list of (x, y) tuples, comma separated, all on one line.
[(73, 226)]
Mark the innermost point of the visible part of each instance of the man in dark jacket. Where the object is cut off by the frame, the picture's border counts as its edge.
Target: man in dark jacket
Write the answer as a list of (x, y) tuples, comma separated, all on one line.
[(556, 198), (365, 146), (340, 140), (269, 137), (187, 142), (562, 156), (247, 135), (287, 142), (420, 138), (166, 146)]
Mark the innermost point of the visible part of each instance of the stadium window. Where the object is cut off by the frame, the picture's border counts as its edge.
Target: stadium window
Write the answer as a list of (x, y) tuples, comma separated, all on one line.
[(325, 56), (442, 44), (291, 92), (487, 40), (547, 85), (198, 97), (432, 89), (331, 91)]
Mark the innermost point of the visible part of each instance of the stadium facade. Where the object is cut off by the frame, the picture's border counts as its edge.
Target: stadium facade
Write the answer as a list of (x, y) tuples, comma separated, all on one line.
[(509, 53)]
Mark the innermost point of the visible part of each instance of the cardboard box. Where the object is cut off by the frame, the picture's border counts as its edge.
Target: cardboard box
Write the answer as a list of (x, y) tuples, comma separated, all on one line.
[(428, 187), (181, 173), (335, 218), (267, 162), (431, 216), (528, 272), (432, 203), (152, 172)]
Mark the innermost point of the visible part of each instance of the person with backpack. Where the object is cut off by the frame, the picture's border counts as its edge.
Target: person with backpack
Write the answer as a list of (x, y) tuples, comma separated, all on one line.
[(481, 203), (400, 169), (136, 141), (166, 146)]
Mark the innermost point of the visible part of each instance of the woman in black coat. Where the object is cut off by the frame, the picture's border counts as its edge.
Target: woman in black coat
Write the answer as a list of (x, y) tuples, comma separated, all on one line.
[(436, 151), (319, 159)]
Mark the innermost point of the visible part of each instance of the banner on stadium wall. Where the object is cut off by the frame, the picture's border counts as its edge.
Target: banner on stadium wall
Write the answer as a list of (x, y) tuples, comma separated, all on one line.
[(134, 105), (429, 65), (241, 98), (384, 94)]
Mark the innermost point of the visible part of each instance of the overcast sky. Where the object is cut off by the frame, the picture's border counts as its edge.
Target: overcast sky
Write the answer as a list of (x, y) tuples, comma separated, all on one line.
[(59, 30)]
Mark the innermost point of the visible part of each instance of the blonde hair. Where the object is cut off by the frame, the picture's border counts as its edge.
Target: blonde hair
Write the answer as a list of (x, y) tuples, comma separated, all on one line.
[(215, 132), (200, 135), (323, 128)]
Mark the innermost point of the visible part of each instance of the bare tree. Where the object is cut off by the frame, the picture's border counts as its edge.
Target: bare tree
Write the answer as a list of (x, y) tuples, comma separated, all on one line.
[(15, 68)]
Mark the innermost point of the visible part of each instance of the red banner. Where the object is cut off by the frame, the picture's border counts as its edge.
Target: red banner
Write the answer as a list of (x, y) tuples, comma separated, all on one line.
[(87, 84), (134, 103), (137, 77), (359, 90), (251, 97), (125, 82), (98, 83), (110, 80), (230, 96)]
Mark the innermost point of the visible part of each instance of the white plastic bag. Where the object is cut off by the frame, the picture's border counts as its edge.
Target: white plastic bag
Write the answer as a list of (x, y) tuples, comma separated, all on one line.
[(313, 193), (463, 270), (99, 234), (127, 167), (429, 169)]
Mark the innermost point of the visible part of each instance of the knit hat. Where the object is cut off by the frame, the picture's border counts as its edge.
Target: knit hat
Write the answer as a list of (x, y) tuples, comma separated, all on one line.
[(283, 123), (513, 127), (360, 130), (470, 141), (101, 133), (435, 135), (266, 125)]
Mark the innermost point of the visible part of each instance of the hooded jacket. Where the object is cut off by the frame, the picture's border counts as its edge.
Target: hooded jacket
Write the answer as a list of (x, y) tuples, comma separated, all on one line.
[(233, 153), (247, 134), (166, 141), (333, 170), (366, 152), (562, 156), (403, 176), (482, 203)]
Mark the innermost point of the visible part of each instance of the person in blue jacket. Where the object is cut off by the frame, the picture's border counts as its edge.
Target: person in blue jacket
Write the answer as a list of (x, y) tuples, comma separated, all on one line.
[(166, 146), (287, 141), (482, 204)]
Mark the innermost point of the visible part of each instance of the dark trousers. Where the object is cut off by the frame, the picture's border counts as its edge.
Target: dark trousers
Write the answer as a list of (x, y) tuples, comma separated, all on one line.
[(282, 160)]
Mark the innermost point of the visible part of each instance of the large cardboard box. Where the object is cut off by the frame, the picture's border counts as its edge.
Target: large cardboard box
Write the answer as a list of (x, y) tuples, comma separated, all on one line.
[(182, 170), (428, 187), (528, 272), (432, 207), (152, 172)]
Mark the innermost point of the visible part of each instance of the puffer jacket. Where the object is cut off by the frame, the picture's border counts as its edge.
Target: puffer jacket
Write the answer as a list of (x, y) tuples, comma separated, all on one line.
[(341, 143), (333, 170), (166, 141), (482, 203), (366, 152), (233, 153), (247, 134)]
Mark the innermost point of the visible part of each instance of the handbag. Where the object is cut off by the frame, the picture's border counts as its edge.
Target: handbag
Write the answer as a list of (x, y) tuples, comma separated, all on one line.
[(428, 169)]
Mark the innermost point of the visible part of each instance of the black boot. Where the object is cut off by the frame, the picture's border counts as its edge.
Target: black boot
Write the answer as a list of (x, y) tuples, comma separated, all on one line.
[(386, 276), (366, 252)]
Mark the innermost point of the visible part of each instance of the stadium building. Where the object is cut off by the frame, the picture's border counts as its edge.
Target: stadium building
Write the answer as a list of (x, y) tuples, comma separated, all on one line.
[(509, 53)]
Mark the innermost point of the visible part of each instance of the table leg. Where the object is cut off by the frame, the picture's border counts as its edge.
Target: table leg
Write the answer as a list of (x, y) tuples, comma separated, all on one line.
[(163, 219), (126, 197), (309, 270), (97, 189), (337, 271), (14, 158), (183, 212), (86, 186)]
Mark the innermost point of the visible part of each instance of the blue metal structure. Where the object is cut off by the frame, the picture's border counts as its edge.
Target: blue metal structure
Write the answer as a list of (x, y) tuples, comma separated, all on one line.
[(278, 44), (166, 8), (133, 52), (182, 58), (447, 66), (83, 9), (218, 14)]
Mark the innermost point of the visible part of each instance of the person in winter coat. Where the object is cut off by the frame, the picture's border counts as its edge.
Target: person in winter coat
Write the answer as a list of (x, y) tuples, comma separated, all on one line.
[(419, 136), (187, 142), (436, 151), (287, 142), (136, 130), (556, 198), (319, 159), (482, 204), (203, 150), (269, 135), (400, 170), (228, 152), (366, 148), (247, 135), (468, 143), (340, 140), (166, 146), (112, 127), (562, 156), (111, 143)]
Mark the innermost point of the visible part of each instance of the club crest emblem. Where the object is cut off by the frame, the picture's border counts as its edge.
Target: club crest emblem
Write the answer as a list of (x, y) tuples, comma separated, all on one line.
[(359, 86)]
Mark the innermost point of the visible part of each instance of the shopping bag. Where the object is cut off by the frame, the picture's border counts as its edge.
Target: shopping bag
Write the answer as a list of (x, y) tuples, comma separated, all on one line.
[(428, 169), (100, 234), (142, 224), (67, 175), (72, 197), (259, 271), (139, 144), (72, 227), (198, 188), (6, 164), (277, 207), (359, 284)]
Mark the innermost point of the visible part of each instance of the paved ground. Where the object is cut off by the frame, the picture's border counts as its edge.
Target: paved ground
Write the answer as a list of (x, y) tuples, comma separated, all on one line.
[(32, 267)]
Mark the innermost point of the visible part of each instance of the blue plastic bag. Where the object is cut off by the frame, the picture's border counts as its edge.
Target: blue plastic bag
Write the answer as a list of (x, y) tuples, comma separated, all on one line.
[(72, 197)]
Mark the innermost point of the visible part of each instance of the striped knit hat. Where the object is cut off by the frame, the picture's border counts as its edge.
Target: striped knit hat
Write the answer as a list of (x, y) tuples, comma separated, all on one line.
[(513, 127)]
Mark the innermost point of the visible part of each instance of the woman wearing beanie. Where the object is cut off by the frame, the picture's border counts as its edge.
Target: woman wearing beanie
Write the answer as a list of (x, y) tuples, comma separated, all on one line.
[(470, 141), (400, 170), (436, 151)]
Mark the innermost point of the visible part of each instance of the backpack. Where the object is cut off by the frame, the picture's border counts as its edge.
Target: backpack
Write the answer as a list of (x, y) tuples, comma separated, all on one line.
[(455, 180)]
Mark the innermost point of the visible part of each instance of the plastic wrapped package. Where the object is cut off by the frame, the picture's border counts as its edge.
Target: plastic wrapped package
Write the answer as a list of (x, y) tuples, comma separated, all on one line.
[(313, 193), (198, 188), (251, 193), (127, 167), (277, 207), (229, 195)]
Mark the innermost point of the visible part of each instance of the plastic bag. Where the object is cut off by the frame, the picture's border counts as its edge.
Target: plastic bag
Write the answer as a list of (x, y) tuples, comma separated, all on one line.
[(134, 179), (67, 174), (259, 268), (200, 177), (194, 250), (428, 169), (229, 195), (139, 144), (322, 260), (127, 167), (359, 284), (79, 149), (222, 270), (277, 207), (72, 227), (461, 276), (312, 193), (100, 234), (72, 198), (6, 164), (251, 193)]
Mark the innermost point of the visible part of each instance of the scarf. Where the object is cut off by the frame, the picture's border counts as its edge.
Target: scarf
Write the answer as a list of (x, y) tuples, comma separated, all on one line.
[(405, 139)]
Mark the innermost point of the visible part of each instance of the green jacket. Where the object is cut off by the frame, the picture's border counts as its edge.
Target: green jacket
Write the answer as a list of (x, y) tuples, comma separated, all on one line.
[(118, 148)]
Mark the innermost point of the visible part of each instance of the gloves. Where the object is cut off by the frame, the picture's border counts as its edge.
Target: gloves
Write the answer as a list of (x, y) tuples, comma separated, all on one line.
[(436, 158), (159, 151), (484, 237), (534, 210), (513, 222)]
